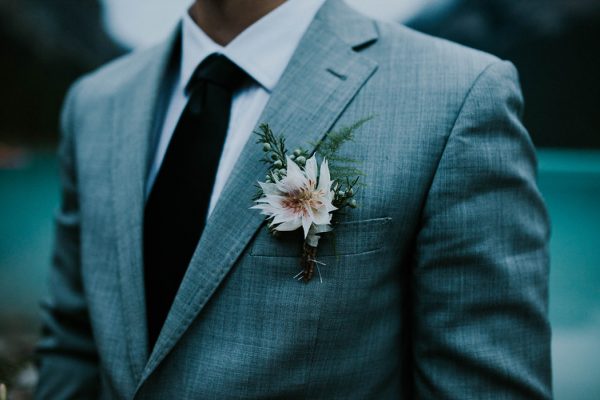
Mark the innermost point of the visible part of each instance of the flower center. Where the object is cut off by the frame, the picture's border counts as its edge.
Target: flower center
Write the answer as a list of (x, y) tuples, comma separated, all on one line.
[(300, 201)]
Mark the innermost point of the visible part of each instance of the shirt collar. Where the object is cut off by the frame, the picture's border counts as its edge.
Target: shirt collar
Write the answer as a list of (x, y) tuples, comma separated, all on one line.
[(263, 49)]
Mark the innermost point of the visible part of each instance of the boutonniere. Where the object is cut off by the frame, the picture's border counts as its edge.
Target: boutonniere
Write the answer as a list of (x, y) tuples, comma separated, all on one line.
[(298, 193)]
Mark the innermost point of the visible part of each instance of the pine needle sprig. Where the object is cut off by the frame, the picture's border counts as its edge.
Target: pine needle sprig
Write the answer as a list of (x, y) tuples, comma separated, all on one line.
[(333, 141), (341, 167)]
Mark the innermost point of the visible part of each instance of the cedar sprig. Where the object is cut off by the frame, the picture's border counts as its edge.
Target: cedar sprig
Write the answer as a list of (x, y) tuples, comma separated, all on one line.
[(275, 152)]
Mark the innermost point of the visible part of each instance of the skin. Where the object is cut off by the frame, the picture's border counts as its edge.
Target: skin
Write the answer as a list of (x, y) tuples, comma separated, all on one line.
[(223, 20)]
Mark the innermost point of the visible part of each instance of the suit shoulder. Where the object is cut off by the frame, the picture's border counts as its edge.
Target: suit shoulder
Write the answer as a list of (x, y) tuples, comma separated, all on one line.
[(400, 46), (110, 78)]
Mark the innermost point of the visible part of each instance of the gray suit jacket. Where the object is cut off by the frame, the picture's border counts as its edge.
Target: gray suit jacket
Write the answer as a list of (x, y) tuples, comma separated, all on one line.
[(436, 288)]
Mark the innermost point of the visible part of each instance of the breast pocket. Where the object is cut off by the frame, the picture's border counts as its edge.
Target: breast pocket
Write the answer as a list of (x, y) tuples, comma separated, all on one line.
[(348, 238)]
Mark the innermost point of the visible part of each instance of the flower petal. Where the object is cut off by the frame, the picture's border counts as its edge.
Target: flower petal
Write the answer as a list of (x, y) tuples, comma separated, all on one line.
[(310, 170), (322, 217), (306, 223), (269, 188), (324, 177), (289, 225), (294, 179), (284, 217)]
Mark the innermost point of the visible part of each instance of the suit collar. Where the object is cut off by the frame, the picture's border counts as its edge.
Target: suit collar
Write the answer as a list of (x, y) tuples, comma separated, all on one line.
[(348, 25), (322, 77)]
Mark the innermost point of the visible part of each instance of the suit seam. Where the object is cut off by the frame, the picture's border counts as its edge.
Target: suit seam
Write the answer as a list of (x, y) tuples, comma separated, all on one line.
[(468, 95), (464, 102)]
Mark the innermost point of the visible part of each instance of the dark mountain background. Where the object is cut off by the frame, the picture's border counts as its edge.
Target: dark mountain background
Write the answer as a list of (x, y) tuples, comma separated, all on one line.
[(555, 45), (45, 45)]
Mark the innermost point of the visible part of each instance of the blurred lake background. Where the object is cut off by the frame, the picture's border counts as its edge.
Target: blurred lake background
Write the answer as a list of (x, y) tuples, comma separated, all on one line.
[(554, 43)]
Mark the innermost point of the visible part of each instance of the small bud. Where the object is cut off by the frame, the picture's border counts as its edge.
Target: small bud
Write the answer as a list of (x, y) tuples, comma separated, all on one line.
[(266, 147), (278, 164), (282, 172), (301, 160), (297, 152), (274, 156), (350, 192), (352, 203), (268, 179), (292, 157), (341, 193)]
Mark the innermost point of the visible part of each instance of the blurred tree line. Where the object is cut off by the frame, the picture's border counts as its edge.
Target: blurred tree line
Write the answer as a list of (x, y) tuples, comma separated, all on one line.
[(555, 45), (45, 46)]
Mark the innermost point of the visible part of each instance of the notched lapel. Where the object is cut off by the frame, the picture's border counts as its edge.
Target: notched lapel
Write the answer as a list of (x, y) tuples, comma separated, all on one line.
[(322, 78), (134, 112)]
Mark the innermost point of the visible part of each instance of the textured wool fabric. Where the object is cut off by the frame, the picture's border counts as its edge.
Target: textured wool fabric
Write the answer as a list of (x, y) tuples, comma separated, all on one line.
[(434, 287)]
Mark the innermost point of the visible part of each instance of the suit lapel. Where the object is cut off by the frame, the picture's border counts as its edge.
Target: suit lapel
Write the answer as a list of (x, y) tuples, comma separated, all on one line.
[(323, 76), (134, 112)]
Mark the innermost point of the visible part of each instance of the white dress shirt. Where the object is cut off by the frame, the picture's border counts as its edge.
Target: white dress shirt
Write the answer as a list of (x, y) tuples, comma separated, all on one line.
[(263, 51)]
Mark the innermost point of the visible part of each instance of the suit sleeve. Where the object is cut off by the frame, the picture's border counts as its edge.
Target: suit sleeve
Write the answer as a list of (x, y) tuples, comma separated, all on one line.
[(67, 354), (480, 277)]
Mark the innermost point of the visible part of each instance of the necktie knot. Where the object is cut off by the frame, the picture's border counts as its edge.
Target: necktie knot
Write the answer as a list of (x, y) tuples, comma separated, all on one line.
[(219, 70)]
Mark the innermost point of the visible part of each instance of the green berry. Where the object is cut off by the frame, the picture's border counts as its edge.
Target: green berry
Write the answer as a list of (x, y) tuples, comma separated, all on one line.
[(274, 156), (350, 192), (352, 203), (341, 193), (297, 152), (266, 147), (301, 160), (278, 164)]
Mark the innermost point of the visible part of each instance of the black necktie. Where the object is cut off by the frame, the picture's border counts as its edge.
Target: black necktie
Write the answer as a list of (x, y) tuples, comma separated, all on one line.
[(177, 206)]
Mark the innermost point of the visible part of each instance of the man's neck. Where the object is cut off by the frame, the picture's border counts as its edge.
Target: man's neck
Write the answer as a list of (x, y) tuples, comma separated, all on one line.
[(223, 20)]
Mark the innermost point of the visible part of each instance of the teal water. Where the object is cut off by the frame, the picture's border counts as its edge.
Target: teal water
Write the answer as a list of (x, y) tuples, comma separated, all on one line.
[(28, 199), (569, 181)]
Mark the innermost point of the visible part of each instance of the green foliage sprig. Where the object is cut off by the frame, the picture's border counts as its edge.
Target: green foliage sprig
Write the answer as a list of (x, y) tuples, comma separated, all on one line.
[(342, 169), (275, 153)]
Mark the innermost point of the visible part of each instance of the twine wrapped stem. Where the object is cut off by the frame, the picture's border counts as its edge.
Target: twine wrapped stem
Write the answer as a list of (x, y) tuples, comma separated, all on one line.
[(308, 261)]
